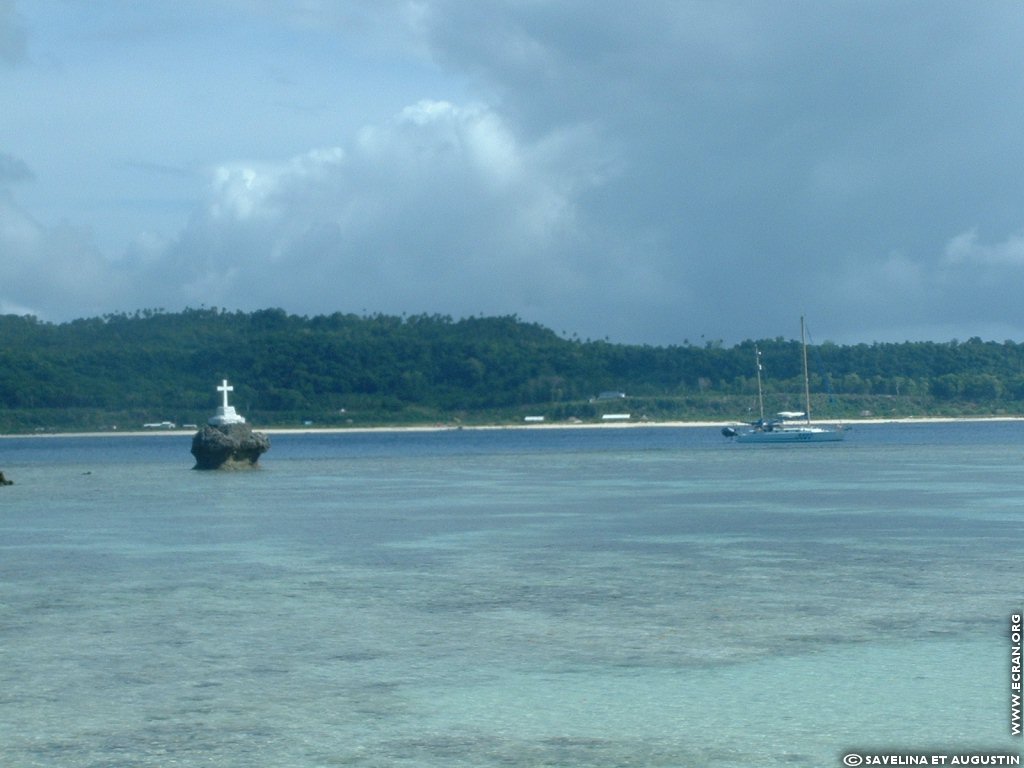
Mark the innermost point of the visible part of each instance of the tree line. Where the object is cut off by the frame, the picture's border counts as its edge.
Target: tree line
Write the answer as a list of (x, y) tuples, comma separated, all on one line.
[(125, 369)]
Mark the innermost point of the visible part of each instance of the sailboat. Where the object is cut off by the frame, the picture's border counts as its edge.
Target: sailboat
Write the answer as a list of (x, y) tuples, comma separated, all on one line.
[(783, 429)]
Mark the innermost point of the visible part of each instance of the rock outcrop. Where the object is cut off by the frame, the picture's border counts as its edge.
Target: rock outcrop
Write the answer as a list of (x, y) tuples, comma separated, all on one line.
[(228, 446), (4, 480)]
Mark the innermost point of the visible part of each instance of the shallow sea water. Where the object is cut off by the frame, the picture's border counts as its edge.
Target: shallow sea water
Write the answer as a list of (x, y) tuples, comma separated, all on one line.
[(611, 597)]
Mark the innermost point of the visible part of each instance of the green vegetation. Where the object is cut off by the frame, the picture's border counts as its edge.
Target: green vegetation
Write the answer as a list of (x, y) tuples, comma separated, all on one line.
[(124, 370)]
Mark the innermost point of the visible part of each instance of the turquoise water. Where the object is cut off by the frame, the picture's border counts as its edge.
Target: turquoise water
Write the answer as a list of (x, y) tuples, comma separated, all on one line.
[(640, 597)]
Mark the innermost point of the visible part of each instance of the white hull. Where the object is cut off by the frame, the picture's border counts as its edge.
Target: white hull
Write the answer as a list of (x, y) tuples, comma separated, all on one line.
[(791, 435), (781, 431)]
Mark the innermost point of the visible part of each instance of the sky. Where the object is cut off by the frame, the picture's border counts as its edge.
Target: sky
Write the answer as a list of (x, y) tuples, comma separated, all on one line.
[(661, 172)]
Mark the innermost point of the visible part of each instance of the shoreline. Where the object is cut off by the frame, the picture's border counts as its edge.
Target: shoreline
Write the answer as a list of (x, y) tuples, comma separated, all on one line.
[(496, 427)]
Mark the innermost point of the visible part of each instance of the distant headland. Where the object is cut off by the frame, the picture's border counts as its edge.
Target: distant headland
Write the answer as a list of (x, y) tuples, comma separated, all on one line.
[(119, 372)]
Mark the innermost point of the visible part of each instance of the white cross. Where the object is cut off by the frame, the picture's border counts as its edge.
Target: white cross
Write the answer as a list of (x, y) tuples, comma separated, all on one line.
[(225, 389)]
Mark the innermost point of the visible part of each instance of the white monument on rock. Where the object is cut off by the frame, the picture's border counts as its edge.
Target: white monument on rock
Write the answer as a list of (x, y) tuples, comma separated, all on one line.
[(226, 441), (226, 414)]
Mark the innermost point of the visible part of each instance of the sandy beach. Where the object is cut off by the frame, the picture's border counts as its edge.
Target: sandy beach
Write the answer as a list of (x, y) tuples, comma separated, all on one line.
[(519, 426)]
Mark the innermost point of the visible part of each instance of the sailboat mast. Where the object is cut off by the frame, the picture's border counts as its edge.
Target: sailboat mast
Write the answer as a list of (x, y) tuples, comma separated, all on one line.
[(760, 394), (807, 381)]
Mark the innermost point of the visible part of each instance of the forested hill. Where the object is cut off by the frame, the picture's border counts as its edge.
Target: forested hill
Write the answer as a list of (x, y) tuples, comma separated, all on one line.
[(123, 370)]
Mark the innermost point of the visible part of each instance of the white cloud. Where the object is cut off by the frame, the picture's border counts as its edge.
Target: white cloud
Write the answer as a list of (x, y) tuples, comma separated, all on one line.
[(439, 209), (12, 34), (965, 249), (49, 269)]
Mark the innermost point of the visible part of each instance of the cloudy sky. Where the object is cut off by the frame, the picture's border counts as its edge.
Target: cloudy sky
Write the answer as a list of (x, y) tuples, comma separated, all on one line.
[(652, 172)]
